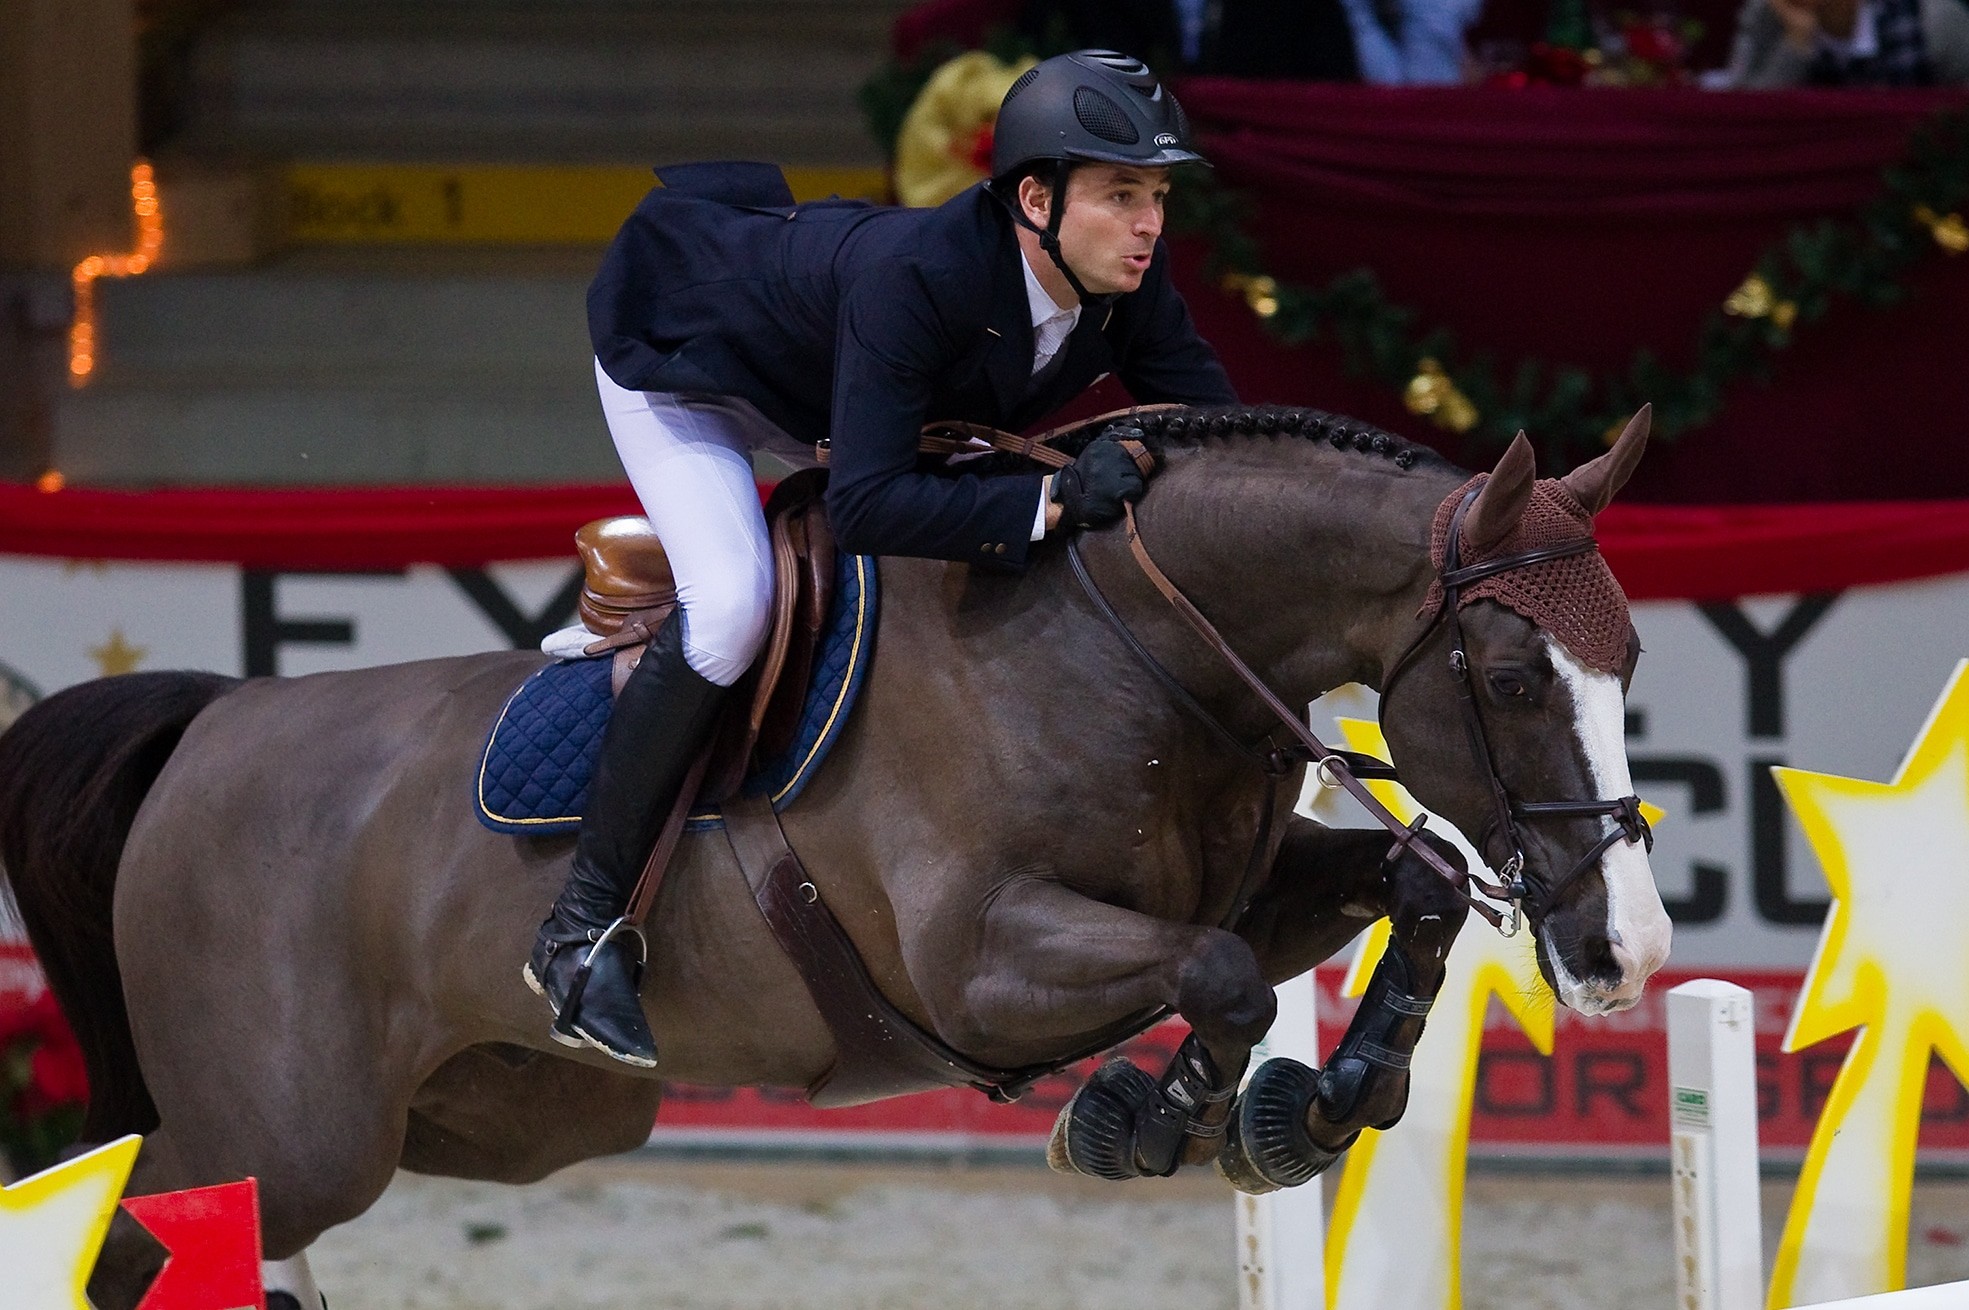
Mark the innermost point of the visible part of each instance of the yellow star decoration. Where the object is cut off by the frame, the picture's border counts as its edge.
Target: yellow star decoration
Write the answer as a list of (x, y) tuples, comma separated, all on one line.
[(1402, 1191), (1890, 962), (52, 1227), (117, 655)]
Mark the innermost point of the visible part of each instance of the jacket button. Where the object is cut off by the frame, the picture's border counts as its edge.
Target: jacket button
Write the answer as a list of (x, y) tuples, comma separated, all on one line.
[(986, 548), (999, 549)]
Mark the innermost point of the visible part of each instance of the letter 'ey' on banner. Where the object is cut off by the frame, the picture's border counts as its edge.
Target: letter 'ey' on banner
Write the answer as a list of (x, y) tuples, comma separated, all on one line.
[(213, 1235)]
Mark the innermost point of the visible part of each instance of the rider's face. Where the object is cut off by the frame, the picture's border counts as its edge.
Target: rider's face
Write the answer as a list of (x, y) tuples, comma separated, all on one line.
[(1113, 217)]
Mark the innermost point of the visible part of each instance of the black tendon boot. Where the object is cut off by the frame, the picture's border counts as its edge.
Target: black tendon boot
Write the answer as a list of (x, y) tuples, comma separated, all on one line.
[(587, 960)]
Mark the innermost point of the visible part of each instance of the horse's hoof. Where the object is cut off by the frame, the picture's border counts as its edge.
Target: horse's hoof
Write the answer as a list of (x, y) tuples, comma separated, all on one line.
[(1266, 1146), (1095, 1133)]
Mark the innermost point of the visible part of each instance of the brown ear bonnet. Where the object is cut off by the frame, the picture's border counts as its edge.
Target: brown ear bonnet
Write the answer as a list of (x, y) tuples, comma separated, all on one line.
[(1574, 598)]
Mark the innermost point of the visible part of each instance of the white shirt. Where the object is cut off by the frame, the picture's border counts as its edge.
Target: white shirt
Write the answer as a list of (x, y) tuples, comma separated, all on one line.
[(1051, 326)]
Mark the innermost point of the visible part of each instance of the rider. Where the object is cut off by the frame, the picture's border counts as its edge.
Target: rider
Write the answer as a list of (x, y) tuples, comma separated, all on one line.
[(725, 318)]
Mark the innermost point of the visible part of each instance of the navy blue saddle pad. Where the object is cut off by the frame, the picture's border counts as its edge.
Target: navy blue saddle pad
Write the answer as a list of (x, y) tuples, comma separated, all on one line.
[(540, 755)]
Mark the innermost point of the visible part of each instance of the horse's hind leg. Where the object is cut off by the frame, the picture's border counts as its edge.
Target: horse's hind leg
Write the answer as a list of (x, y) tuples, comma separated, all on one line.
[(288, 1079), (313, 1174)]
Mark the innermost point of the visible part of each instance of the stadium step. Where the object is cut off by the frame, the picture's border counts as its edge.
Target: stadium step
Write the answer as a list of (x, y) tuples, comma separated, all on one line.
[(567, 80), (333, 367)]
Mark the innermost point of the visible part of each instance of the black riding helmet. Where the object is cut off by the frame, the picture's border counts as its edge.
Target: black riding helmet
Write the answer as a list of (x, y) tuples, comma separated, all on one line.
[(1094, 106)]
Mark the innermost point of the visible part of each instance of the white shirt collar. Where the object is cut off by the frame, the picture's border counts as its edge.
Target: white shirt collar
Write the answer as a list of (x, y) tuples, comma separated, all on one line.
[(1041, 301)]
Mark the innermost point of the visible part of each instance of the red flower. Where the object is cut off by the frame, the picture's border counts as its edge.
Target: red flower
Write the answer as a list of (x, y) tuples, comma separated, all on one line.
[(1556, 65), (981, 149), (58, 1079), (1653, 43)]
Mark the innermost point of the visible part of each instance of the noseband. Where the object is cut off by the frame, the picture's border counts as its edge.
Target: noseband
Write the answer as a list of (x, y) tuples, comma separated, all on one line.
[(1344, 769)]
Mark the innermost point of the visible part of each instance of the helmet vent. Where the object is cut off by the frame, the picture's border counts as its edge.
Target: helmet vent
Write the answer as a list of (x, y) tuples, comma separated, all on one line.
[(1182, 120), (1103, 117), (1026, 79)]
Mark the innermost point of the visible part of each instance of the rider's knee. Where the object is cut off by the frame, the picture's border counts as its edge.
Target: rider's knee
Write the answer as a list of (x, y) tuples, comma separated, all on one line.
[(724, 631)]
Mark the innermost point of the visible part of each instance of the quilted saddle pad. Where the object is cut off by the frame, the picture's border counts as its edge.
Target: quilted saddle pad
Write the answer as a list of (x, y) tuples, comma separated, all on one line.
[(539, 757)]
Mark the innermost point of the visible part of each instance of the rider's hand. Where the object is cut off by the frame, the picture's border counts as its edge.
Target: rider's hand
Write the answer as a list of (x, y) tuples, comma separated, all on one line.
[(1091, 490)]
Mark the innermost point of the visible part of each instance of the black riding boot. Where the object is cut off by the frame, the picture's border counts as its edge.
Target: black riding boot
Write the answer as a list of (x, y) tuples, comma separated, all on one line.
[(587, 961)]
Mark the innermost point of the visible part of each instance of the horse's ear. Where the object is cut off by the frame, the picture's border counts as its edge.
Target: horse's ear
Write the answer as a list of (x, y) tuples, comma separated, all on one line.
[(1502, 501), (1595, 483)]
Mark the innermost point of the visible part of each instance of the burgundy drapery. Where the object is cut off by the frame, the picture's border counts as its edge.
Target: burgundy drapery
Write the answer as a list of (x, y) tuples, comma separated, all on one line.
[(1576, 226), (1657, 551)]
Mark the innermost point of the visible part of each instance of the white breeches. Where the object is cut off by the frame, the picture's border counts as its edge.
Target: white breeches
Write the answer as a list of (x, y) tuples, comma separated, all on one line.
[(689, 459)]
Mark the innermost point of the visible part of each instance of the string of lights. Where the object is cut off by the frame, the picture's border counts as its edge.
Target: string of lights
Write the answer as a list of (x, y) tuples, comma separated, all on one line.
[(150, 239)]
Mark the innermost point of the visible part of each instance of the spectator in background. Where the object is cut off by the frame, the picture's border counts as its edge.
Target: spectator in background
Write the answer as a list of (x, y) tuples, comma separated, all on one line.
[(1381, 41), (1411, 42), (1784, 43)]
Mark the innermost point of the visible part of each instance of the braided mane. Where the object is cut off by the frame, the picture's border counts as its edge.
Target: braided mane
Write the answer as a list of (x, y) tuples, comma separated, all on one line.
[(1194, 427)]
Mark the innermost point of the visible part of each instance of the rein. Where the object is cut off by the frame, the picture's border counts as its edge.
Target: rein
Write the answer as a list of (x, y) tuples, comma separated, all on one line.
[(1345, 769), (1336, 768)]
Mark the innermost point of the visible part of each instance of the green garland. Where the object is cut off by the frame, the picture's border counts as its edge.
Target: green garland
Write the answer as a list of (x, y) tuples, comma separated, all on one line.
[(1571, 411), (1794, 282)]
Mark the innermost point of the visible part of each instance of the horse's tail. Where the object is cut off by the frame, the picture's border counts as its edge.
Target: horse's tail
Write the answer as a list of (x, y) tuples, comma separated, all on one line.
[(73, 770)]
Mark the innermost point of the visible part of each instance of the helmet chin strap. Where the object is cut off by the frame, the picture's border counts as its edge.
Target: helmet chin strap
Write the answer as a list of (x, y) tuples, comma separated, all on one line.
[(1049, 236)]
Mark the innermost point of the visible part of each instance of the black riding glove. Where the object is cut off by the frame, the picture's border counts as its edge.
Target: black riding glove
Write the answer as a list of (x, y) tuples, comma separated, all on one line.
[(1091, 490)]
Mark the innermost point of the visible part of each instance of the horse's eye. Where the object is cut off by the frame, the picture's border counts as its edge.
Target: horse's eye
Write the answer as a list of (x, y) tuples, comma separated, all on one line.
[(1508, 684)]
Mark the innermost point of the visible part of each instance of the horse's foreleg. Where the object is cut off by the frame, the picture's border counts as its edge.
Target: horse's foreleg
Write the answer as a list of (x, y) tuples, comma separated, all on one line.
[(1365, 1081), (1294, 1121), (1059, 965)]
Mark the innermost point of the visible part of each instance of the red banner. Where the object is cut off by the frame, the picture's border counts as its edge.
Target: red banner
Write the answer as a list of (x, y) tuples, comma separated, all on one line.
[(1692, 552)]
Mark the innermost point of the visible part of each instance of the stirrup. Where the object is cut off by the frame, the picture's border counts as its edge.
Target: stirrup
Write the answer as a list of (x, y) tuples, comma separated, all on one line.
[(569, 1009)]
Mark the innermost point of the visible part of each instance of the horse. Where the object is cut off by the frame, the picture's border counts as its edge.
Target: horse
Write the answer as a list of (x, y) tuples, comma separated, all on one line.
[(290, 952)]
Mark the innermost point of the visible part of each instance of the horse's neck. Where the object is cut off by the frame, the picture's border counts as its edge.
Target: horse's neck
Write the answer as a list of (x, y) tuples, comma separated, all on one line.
[(1311, 562)]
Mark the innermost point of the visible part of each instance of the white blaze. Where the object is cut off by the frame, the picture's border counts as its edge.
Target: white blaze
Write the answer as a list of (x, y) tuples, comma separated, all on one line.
[(1637, 924)]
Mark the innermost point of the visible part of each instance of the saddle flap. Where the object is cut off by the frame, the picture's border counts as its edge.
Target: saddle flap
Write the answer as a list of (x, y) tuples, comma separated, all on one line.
[(803, 594), (624, 571)]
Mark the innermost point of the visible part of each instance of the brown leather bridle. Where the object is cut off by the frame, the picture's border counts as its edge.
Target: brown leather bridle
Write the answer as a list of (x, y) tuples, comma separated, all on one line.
[(1345, 769), (1525, 890)]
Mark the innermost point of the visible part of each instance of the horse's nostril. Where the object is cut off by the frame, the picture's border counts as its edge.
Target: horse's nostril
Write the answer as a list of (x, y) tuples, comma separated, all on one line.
[(1599, 958)]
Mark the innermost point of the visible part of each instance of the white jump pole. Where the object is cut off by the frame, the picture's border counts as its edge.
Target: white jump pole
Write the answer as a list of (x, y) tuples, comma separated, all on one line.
[(1712, 1077), (1281, 1238)]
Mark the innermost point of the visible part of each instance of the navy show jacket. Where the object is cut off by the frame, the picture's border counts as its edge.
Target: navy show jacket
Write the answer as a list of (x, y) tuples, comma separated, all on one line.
[(858, 323)]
